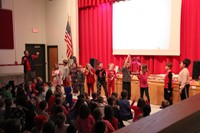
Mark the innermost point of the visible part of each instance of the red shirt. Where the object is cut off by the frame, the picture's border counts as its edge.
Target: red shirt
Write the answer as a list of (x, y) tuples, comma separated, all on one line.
[(137, 111), (28, 66), (168, 80), (90, 79), (111, 76), (51, 103), (109, 126), (143, 79), (85, 125), (114, 123)]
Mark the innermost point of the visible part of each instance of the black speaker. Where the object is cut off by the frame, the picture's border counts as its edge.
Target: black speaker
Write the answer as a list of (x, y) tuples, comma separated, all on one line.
[(94, 63), (196, 70)]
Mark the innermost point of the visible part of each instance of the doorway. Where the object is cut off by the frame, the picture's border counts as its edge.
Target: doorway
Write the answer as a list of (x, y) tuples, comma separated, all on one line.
[(40, 68), (52, 57)]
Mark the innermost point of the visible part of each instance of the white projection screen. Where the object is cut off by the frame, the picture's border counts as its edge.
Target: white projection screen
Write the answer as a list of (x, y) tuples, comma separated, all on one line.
[(146, 27)]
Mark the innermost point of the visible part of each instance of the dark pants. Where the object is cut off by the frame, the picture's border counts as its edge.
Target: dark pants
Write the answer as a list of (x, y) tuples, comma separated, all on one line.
[(81, 87), (127, 86), (90, 86), (146, 90), (104, 84), (168, 95), (185, 92), (29, 76)]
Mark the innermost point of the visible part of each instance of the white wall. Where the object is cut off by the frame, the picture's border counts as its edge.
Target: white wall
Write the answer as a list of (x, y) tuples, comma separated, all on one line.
[(26, 15), (57, 14), (50, 17)]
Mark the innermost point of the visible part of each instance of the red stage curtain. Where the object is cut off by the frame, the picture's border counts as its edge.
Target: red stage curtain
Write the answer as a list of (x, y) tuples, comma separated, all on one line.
[(95, 37), (91, 3)]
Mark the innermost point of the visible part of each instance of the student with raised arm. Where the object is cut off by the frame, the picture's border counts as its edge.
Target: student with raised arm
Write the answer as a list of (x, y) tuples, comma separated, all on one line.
[(126, 78)]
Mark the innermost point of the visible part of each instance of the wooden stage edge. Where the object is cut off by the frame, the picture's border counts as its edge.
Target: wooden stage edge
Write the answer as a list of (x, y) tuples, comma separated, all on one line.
[(182, 117)]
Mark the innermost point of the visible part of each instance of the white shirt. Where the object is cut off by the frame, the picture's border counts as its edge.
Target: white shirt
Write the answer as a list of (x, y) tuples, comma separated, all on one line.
[(183, 77)]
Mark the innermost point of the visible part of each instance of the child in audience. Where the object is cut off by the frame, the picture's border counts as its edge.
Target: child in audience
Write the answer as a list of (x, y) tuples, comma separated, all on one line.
[(74, 77), (43, 106), (111, 79), (168, 83), (94, 97), (124, 105), (39, 121), (49, 92), (184, 79), (33, 90), (164, 104), (69, 97), (85, 121), (90, 78), (100, 127), (146, 110), (49, 127), (41, 93), (109, 115), (57, 75), (81, 79), (58, 90), (7, 93), (126, 78), (61, 125), (39, 84), (98, 116), (101, 79), (138, 110), (143, 77), (112, 102)]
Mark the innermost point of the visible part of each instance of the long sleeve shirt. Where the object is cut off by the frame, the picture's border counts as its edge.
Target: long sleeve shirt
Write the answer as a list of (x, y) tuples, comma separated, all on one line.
[(168, 80), (143, 79), (183, 77)]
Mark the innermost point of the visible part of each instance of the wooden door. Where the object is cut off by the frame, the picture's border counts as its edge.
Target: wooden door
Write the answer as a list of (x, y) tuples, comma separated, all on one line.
[(52, 52)]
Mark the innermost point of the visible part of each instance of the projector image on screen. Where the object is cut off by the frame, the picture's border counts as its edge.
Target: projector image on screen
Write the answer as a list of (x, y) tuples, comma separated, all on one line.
[(146, 27)]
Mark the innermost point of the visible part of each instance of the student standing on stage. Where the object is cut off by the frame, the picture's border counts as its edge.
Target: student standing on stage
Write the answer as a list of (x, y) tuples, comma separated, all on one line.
[(57, 75), (65, 76), (168, 83), (143, 77), (184, 78), (74, 77), (111, 79), (126, 78), (101, 79), (90, 78), (81, 79)]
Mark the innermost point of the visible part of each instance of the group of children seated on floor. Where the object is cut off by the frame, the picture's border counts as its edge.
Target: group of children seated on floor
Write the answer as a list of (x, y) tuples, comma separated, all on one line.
[(32, 109)]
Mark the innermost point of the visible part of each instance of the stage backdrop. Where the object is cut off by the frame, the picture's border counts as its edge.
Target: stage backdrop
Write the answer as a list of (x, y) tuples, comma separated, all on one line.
[(95, 36)]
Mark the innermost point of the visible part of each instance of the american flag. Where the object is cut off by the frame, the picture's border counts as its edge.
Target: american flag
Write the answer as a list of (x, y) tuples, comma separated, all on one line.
[(68, 40)]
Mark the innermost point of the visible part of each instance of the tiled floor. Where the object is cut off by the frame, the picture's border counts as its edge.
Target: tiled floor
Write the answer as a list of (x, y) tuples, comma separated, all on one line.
[(154, 109)]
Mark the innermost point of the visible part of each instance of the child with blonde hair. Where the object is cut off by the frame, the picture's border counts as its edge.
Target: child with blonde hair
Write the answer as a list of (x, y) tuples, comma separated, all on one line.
[(57, 75), (111, 79), (90, 78)]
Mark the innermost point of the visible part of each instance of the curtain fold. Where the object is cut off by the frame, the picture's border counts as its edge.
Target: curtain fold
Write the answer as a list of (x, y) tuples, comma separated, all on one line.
[(95, 36), (92, 3)]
